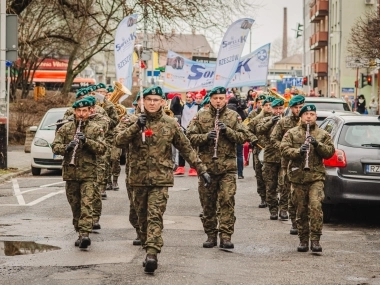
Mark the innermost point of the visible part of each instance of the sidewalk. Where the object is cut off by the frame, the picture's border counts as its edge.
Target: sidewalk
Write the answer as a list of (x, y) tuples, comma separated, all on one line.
[(18, 163)]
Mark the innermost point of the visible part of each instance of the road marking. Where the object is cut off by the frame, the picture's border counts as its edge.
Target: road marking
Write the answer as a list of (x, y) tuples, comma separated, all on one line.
[(16, 189), (41, 187), (45, 197)]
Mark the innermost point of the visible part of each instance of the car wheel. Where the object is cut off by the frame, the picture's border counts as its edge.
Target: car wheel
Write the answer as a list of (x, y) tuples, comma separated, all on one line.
[(36, 171), (327, 211)]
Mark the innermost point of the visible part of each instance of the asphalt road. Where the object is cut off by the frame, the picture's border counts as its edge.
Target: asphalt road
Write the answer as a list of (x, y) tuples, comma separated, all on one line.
[(36, 217)]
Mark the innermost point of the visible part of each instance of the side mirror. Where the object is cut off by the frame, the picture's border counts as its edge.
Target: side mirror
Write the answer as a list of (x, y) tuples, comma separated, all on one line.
[(33, 129)]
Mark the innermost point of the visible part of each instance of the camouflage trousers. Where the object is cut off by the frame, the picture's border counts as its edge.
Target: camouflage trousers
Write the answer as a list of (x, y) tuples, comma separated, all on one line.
[(287, 189), (259, 176), (97, 202), (114, 168), (80, 195), (150, 204), (308, 199), (271, 176), (218, 203), (133, 219), (103, 163)]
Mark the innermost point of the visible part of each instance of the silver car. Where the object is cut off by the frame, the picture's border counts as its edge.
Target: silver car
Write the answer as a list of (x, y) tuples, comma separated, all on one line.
[(353, 173)]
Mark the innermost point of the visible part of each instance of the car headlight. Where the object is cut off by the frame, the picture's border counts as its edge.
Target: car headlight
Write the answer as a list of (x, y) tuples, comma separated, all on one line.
[(40, 142)]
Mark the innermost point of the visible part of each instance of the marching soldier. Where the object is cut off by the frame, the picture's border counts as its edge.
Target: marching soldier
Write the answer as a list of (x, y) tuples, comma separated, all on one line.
[(306, 146), (151, 168), (272, 158), (259, 102), (79, 142), (285, 124), (216, 132), (257, 164)]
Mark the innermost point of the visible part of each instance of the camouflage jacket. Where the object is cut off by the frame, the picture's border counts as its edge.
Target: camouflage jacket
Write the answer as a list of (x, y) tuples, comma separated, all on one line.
[(85, 157), (265, 128), (111, 112), (202, 124), (290, 149), (252, 125), (253, 114), (283, 125), (150, 163)]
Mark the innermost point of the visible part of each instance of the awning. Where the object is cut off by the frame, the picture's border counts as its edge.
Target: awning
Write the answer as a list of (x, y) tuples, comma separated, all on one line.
[(58, 76)]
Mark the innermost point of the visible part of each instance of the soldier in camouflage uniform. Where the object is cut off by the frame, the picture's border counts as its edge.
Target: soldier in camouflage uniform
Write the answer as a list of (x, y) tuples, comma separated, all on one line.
[(151, 168), (259, 101), (83, 146), (307, 185), (218, 200), (257, 164), (272, 157), (285, 124)]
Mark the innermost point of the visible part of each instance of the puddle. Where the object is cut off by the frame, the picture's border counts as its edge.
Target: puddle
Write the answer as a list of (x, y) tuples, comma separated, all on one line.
[(12, 248)]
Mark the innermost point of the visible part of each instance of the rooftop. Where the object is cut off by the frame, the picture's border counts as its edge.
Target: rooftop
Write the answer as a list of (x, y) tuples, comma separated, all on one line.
[(296, 59)]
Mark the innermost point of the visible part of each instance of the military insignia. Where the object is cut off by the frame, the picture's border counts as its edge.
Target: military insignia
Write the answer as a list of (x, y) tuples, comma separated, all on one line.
[(81, 104), (217, 91), (308, 108), (153, 91)]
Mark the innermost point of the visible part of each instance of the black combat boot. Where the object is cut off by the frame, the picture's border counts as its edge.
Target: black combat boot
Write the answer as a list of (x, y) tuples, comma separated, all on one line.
[(115, 186), (109, 186), (77, 242), (303, 247), (103, 192), (201, 214), (293, 229), (226, 243), (150, 263), (315, 246), (273, 216), (263, 203), (95, 224), (137, 240), (84, 241), (210, 242), (283, 215)]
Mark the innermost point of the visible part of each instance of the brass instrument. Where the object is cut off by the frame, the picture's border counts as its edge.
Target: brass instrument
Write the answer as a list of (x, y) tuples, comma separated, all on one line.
[(279, 96), (72, 161), (120, 91), (216, 128), (306, 167), (139, 49)]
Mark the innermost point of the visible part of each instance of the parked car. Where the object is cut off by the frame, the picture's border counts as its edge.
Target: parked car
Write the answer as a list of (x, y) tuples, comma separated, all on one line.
[(353, 172), (41, 153)]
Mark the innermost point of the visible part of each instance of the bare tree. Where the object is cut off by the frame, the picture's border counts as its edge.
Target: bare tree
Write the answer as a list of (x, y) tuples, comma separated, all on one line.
[(294, 47)]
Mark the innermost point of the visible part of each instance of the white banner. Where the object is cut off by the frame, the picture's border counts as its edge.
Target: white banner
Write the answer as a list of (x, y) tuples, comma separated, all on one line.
[(230, 51), (252, 69), (124, 45), (182, 74)]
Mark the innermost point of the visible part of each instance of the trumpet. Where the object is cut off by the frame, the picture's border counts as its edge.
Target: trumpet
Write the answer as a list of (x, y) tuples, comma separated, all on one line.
[(72, 161), (306, 167), (216, 128)]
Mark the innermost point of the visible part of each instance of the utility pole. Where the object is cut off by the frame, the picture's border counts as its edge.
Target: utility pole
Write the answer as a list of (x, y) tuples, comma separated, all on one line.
[(285, 35)]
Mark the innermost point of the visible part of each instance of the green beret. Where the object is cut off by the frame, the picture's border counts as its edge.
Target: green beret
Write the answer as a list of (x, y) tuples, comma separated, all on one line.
[(91, 99), (296, 100), (91, 88), (217, 90), (154, 90), (205, 101), (134, 103), (307, 108), (268, 99), (277, 102), (110, 89), (81, 92), (85, 102), (100, 86), (260, 97)]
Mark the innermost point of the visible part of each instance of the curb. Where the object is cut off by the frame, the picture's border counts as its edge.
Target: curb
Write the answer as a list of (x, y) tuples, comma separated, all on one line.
[(6, 177)]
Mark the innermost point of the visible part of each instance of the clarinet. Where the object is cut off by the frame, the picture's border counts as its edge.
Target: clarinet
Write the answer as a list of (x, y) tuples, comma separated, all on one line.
[(307, 168), (72, 161), (216, 128)]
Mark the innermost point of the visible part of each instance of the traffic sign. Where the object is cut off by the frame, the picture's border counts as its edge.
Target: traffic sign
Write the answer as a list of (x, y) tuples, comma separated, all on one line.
[(155, 73)]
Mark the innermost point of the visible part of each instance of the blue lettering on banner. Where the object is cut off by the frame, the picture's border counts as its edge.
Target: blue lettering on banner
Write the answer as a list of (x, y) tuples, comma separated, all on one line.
[(198, 73), (228, 59), (243, 64), (125, 41), (125, 61)]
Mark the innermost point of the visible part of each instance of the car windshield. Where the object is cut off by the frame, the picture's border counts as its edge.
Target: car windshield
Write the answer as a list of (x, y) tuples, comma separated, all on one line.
[(51, 118), (330, 106), (361, 135)]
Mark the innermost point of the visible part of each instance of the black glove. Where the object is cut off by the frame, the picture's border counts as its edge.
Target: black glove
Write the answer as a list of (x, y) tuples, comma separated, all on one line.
[(141, 121), (58, 126), (253, 144), (206, 178), (275, 119), (304, 148), (211, 135), (313, 141), (81, 137), (222, 127), (71, 146)]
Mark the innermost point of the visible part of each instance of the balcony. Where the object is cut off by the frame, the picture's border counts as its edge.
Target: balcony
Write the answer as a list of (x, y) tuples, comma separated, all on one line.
[(318, 40), (320, 68), (319, 11)]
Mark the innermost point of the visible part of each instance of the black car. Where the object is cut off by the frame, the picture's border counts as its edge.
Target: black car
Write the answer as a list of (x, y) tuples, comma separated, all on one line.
[(353, 173)]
